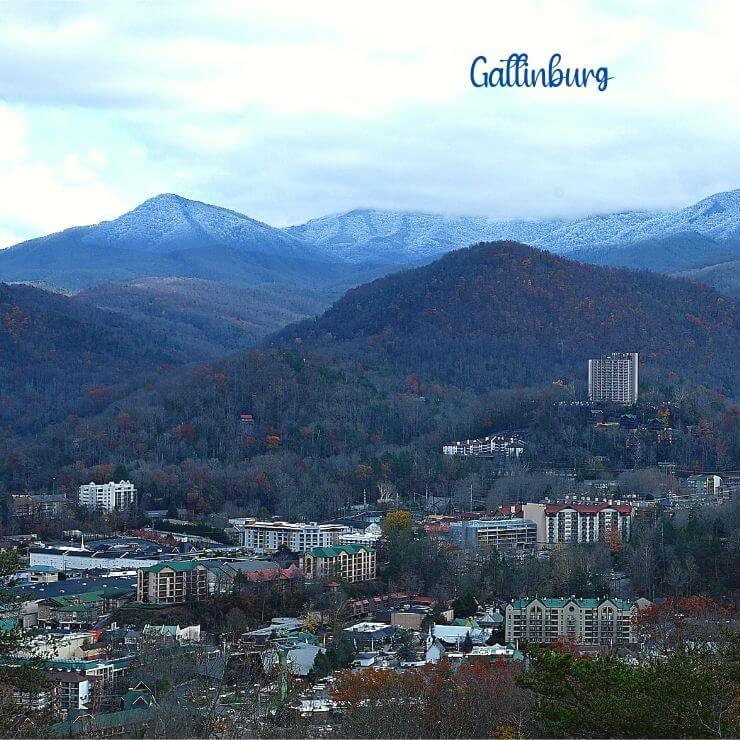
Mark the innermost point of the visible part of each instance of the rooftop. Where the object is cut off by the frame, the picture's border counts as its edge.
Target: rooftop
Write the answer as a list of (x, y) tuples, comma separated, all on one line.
[(558, 603), (337, 550)]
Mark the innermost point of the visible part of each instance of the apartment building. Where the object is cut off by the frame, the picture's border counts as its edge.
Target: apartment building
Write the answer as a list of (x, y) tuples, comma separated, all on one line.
[(36, 506), (613, 378), (583, 621), (270, 536), (351, 563), (577, 521), (499, 532), (172, 582), (108, 496)]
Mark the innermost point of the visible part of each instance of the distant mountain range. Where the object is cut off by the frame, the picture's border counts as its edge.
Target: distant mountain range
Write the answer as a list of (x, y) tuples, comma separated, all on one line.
[(373, 235), (170, 236)]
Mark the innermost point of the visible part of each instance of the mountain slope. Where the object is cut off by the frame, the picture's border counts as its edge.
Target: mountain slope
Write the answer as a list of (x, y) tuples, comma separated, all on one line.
[(214, 319), (668, 254), (504, 314), (170, 236), (59, 357), (724, 276), (404, 238)]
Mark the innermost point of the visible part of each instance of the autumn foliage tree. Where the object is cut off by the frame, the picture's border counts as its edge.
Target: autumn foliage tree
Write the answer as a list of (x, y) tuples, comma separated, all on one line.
[(470, 700)]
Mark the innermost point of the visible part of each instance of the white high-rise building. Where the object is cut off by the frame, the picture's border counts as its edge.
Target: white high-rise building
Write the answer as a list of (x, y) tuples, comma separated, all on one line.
[(108, 496), (613, 378)]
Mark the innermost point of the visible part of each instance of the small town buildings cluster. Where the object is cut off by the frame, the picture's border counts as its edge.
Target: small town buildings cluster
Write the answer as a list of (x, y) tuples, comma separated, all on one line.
[(530, 526)]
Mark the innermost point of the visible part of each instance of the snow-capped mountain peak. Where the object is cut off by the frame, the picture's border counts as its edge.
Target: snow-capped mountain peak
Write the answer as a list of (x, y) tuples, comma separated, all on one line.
[(170, 222)]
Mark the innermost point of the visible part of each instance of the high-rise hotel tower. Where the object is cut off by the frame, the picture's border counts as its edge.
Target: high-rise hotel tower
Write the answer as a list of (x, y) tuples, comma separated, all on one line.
[(613, 378)]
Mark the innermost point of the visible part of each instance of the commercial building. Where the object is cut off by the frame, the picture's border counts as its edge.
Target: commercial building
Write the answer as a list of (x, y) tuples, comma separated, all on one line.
[(172, 582), (351, 563), (497, 445), (115, 554), (270, 536), (582, 621), (108, 496), (500, 532), (613, 378)]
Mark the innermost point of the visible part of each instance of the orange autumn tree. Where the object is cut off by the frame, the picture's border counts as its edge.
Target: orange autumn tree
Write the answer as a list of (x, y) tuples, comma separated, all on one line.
[(470, 700)]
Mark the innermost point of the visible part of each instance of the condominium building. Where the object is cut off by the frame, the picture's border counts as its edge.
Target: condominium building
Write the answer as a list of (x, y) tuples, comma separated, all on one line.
[(583, 621), (270, 536), (497, 445), (576, 521), (37, 506), (613, 378), (108, 496), (172, 582), (499, 532), (351, 563)]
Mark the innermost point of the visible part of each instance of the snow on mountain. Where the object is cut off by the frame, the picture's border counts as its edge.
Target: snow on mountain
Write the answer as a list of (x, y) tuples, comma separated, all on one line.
[(168, 223), (395, 236), (378, 235)]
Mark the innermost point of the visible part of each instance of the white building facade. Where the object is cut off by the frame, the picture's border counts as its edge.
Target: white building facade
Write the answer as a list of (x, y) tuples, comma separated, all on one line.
[(497, 445), (270, 536), (108, 496)]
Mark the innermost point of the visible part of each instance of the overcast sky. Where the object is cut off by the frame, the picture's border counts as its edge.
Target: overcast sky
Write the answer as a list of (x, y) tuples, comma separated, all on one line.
[(288, 111)]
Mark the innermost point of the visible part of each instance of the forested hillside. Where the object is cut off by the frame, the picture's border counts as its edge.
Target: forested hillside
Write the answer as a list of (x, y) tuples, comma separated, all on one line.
[(214, 319), (60, 358), (372, 389), (504, 315)]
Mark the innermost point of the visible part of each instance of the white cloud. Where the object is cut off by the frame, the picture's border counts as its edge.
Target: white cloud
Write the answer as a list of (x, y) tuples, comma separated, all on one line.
[(286, 110)]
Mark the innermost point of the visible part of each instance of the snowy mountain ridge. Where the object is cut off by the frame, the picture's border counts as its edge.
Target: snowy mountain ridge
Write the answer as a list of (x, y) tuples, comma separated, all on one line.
[(169, 224), (360, 235)]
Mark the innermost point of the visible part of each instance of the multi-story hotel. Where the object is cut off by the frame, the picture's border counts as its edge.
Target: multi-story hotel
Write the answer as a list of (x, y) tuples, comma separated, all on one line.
[(613, 378), (108, 496), (499, 532), (574, 521), (270, 536), (583, 621), (172, 582), (351, 563)]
